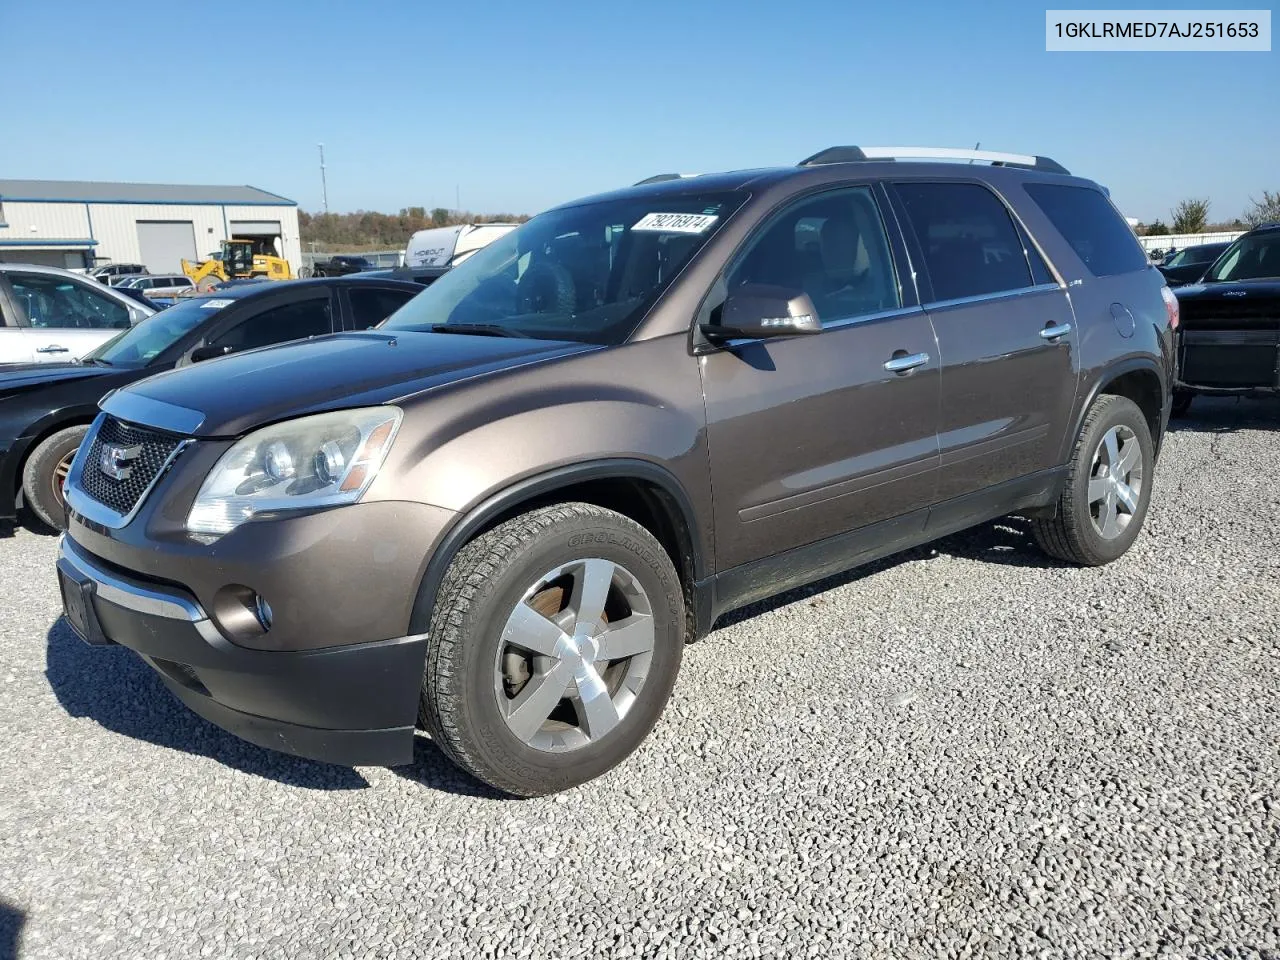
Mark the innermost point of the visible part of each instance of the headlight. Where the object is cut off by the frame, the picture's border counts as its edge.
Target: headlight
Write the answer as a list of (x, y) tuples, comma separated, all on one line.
[(318, 461)]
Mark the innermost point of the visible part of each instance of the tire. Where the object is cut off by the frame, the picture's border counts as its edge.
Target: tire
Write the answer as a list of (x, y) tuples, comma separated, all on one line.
[(44, 471), (1181, 402), (473, 676), (1083, 532)]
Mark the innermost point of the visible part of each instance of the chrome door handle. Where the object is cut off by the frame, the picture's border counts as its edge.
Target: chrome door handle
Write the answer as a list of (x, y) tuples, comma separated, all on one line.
[(1055, 330), (906, 363), (52, 348)]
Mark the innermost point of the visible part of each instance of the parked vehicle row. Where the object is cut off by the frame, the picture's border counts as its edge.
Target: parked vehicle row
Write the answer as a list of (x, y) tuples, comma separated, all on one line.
[(47, 408), (1229, 342), (493, 514), (48, 314)]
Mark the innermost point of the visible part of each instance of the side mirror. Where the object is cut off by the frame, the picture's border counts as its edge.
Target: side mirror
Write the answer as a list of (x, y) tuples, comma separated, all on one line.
[(757, 311), (208, 353)]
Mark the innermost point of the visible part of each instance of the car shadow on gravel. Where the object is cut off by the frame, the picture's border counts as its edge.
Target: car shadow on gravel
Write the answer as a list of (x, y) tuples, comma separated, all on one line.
[(113, 687), (1005, 541), (11, 921), (1228, 414)]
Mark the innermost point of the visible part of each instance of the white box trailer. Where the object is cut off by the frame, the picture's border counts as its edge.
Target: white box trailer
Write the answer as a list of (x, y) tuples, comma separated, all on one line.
[(446, 247)]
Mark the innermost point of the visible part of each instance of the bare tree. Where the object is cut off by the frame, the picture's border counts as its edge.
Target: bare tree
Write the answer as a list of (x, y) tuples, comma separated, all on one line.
[(1190, 216), (1266, 210)]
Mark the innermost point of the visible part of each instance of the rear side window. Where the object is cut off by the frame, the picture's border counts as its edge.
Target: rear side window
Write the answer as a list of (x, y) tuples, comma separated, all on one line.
[(369, 307), (971, 247), (1087, 220)]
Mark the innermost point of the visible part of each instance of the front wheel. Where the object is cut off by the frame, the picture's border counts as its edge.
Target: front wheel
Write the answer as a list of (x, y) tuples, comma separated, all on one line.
[(554, 645), (1108, 487), (46, 470)]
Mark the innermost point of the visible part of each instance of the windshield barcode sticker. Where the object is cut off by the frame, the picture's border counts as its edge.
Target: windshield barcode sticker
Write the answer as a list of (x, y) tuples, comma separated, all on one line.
[(675, 222), (217, 304)]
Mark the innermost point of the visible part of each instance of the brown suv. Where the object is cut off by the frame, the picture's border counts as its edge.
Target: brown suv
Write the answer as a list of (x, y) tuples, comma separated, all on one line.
[(501, 515)]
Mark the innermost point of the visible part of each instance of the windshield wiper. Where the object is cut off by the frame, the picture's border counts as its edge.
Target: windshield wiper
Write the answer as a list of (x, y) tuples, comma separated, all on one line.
[(477, 329), (90, 360)]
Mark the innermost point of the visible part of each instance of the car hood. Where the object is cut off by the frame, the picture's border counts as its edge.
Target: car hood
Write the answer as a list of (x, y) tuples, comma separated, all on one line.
[(1246, 303), (234, 394), (19, 377)]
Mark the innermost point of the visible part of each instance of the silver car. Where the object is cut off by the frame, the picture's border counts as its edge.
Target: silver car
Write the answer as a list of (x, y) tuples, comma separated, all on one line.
[(48, 314)]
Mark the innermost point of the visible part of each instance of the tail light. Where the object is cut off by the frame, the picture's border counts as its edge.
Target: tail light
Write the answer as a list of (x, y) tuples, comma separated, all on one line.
[(1170, 306)]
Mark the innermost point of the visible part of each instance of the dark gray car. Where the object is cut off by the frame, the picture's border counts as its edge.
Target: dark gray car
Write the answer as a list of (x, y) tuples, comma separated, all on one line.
[(502, 514)]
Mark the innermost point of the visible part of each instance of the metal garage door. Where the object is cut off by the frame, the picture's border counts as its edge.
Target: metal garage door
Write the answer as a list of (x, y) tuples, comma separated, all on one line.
[(165, 242), (255, 228)]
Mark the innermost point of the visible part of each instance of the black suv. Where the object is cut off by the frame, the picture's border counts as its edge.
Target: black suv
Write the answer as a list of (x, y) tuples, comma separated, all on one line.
[(1229, 342), (501, 514)]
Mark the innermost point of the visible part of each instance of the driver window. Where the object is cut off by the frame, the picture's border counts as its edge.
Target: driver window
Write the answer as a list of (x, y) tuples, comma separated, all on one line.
[(54, 303), (831, 246)]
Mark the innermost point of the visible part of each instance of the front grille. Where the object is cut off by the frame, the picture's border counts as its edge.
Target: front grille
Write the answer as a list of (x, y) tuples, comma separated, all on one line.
[(147, 451)]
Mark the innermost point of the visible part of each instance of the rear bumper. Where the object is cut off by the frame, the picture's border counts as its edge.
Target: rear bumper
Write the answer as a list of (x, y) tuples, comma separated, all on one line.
[(351, 705)]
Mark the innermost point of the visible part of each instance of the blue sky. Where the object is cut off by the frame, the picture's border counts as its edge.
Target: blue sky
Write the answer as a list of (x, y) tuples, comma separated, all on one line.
[(519, 106)]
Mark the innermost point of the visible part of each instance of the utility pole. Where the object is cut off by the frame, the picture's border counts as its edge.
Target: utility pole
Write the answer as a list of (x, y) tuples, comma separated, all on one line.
[(324, 187)]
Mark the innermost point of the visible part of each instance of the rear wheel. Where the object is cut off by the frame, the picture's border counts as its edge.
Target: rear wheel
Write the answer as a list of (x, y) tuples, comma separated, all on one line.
[(1108, 487), (555, 643), (45, 471)]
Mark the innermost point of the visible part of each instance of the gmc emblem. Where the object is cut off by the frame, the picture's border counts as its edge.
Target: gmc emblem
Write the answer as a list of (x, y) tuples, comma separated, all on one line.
[(117, 461)]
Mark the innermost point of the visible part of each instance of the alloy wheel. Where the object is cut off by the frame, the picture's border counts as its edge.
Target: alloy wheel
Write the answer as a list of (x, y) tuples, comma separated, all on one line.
[(60, 473), (574, 654), (1115, 482)]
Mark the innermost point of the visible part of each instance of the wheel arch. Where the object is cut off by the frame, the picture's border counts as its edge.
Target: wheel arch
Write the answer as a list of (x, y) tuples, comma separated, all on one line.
[(1138, 380), (41, 432), (644, 491)]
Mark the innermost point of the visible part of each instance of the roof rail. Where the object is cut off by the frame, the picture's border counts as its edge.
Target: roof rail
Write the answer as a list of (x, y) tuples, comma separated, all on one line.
[(661, 177), (995, 158)]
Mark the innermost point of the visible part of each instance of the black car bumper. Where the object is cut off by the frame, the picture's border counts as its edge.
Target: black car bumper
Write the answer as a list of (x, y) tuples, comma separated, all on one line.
[(355, 704)]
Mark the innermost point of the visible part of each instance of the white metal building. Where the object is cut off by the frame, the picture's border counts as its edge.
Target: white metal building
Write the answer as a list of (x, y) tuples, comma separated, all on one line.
[(71, 223)]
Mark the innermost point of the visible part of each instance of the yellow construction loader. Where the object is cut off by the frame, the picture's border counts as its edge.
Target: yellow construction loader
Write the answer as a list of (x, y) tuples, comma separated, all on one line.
[(238, 257)]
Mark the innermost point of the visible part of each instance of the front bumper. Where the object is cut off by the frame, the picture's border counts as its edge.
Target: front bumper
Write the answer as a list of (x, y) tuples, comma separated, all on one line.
[(354, 704)]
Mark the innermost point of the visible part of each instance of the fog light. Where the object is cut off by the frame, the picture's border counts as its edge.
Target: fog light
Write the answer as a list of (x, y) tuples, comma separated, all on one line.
[(263, 611)]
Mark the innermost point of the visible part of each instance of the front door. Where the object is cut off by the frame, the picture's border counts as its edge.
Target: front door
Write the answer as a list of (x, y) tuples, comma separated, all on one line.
[(813, 436), (1006, 337), (63, 318)]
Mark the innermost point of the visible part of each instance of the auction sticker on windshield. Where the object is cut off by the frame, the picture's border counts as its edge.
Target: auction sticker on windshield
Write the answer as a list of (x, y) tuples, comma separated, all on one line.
[(675, 222), (217, 304)]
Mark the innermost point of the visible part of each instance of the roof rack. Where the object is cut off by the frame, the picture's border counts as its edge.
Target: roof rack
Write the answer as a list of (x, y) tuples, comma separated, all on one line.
[(995, 158), (662, 177)]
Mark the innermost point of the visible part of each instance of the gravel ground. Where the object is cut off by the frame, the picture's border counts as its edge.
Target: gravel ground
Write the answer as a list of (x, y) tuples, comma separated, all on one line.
[(967, 750)]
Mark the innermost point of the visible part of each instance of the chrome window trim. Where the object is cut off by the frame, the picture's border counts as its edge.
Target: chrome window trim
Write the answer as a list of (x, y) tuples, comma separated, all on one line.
[(135, 408), (124, 592), (840, 324), (998, 295), (99, 513)]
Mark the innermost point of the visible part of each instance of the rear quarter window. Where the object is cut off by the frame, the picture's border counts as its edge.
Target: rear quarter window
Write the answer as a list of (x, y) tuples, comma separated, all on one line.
[(1090, 224)]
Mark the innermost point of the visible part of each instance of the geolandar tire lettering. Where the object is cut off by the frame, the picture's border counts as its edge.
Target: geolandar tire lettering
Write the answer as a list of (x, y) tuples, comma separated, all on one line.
[(554, 646), (1108, 487)]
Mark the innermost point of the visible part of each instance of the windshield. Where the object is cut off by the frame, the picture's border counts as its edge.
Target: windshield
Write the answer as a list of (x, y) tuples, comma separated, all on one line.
[(1255, 256), (585, 273), (1185, 258), (146, 340)]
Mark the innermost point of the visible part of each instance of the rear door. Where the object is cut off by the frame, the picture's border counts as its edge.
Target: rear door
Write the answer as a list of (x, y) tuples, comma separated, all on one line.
[(63, 318), (1006, 338)]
